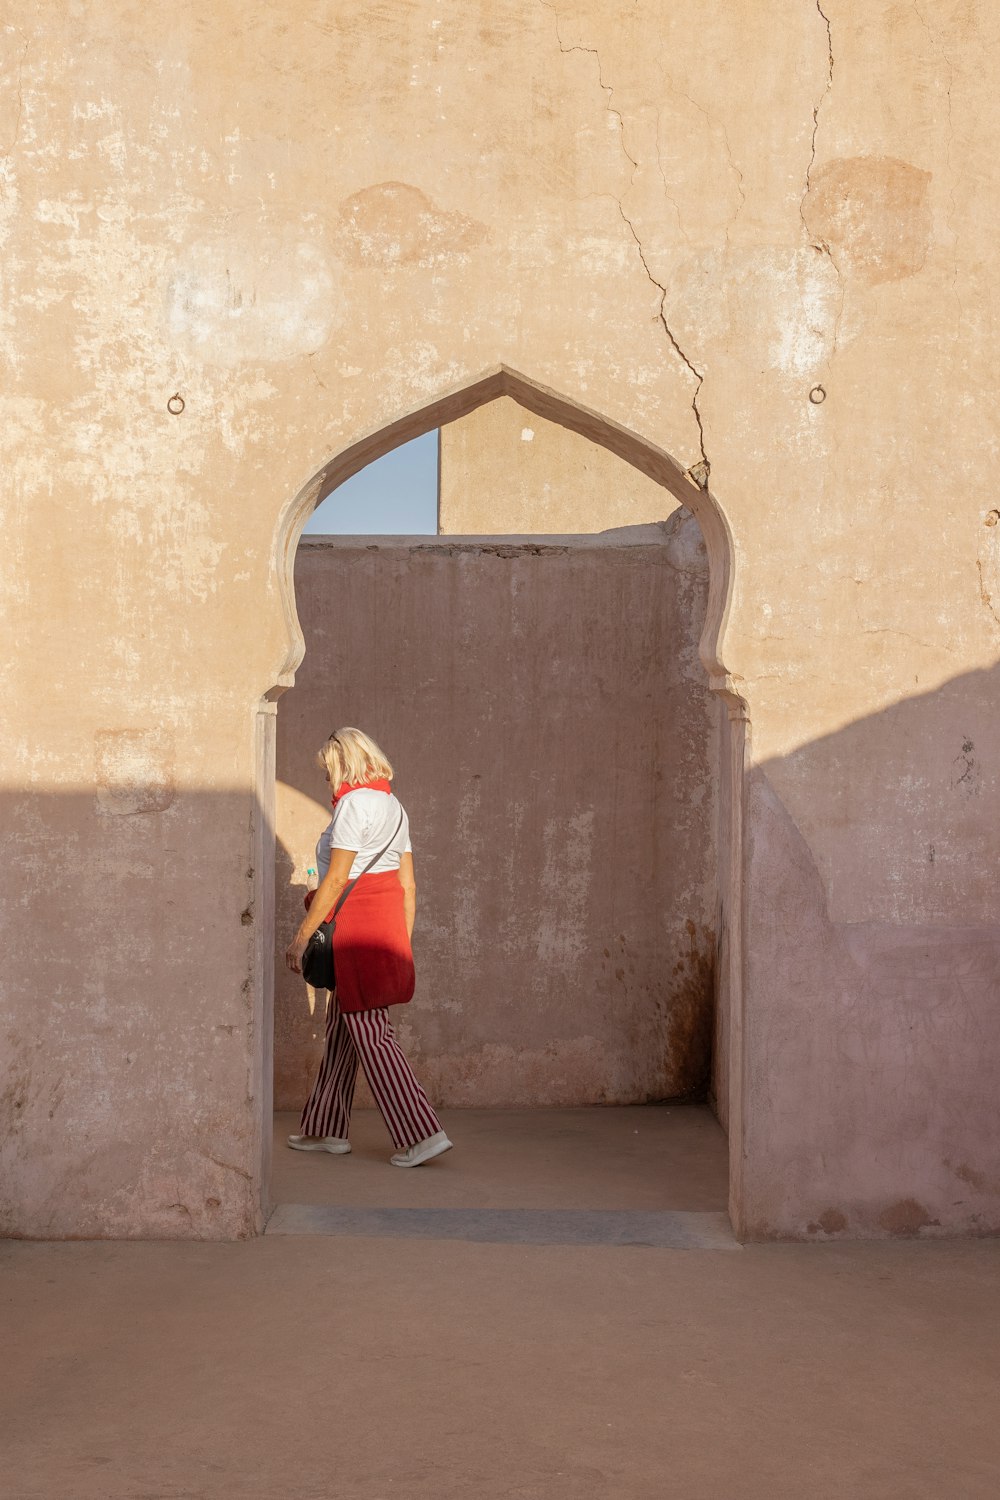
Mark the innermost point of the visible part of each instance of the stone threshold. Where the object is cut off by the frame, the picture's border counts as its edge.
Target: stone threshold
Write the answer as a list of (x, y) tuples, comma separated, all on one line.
[(660, 1230)]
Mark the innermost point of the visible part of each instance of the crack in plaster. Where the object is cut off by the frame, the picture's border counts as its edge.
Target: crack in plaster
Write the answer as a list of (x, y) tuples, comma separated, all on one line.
[(965, 759), (701, 479), (705, 465), (227, 1166), (822, 245), (316, 375), (724, 133), (666, 190), (906, 636), (819, 104), (699, 472), (984, 593), (739, 179)]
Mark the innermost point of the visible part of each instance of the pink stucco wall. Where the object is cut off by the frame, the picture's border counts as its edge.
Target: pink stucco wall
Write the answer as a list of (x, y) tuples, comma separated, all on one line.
[(556, 748), (873, 974), (768, 269)]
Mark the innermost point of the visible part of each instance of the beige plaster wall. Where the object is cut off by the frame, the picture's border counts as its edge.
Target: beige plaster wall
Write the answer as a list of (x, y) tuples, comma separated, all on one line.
[(503, 470), (555, 746), (315, 223)]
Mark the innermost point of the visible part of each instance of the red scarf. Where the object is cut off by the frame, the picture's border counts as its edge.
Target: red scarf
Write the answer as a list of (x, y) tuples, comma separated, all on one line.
[(361, 786)]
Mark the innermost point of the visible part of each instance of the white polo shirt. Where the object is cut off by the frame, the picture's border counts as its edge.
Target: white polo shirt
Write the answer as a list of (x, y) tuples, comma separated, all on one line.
[(363, 820)]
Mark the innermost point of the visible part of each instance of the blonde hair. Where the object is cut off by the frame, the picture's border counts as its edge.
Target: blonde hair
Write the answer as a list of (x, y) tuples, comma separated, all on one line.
[(351, 755)]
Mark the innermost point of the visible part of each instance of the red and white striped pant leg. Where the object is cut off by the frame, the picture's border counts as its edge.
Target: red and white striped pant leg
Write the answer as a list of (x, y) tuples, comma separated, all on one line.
[(405, 1107), (328, 1108)]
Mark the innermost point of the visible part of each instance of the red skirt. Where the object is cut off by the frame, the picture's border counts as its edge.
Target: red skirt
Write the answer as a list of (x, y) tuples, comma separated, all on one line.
[(371, 948)]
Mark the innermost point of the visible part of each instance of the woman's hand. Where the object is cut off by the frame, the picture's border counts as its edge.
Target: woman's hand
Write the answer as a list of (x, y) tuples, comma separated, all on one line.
[(294, 952)]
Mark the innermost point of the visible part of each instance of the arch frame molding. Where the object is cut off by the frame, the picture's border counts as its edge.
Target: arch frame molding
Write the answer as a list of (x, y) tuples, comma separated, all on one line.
[(657, 464)]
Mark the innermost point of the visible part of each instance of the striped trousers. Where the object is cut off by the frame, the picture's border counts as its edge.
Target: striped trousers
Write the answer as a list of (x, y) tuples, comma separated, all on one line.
[(366, 1036)]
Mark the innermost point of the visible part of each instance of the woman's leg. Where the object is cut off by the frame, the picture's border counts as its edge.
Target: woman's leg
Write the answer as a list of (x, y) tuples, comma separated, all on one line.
[(405, 1107), (328, 1109)]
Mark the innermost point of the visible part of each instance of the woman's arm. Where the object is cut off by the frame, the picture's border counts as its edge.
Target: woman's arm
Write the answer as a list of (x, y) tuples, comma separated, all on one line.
[(322, 904), (409, 884)]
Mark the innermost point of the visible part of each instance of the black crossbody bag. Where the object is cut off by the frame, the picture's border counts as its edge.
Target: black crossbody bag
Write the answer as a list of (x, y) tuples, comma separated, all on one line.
[(317, 960)]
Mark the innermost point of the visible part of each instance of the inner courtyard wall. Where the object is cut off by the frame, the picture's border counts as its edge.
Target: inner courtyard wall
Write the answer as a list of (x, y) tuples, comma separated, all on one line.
[(505, 470), (555, 745), (758, 239)]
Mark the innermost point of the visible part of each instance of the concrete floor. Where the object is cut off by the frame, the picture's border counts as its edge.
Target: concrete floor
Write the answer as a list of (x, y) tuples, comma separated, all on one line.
[(653, 1157), (656, 1175), (314, 1367), (594, 1176)]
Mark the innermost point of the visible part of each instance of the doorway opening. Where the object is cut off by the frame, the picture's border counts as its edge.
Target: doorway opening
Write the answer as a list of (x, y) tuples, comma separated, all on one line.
[(562, 762)]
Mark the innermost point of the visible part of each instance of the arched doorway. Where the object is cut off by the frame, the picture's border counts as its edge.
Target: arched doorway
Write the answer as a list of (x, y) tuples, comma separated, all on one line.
[(695, 496)]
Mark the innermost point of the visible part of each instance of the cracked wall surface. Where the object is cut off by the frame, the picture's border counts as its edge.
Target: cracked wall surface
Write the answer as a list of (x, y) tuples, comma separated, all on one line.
[(760, 237)]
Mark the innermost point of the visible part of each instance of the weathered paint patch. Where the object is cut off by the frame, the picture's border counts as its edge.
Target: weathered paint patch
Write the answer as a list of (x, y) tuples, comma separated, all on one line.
[(393, 223), (988, 564), (252, 297), (134, 770), (780, 300), (872, 213)]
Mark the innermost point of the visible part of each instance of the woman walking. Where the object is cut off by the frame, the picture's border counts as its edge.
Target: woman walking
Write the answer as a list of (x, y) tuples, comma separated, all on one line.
[(372, 956)]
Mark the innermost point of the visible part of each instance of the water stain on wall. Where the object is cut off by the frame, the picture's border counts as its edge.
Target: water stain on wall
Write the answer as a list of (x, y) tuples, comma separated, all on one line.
[(905, 1218), (692, 1015)]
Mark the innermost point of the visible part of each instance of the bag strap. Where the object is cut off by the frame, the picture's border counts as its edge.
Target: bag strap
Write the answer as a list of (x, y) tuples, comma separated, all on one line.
[(373, 861)]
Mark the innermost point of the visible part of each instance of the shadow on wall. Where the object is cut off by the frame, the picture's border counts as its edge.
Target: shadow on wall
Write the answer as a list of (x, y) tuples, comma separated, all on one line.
[(132, 1096), (556, 748), (873, 971), (131, 1033)]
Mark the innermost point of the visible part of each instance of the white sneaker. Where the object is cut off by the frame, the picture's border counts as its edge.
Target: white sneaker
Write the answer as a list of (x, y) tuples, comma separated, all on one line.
[(331, 1143), (415, 1156)]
